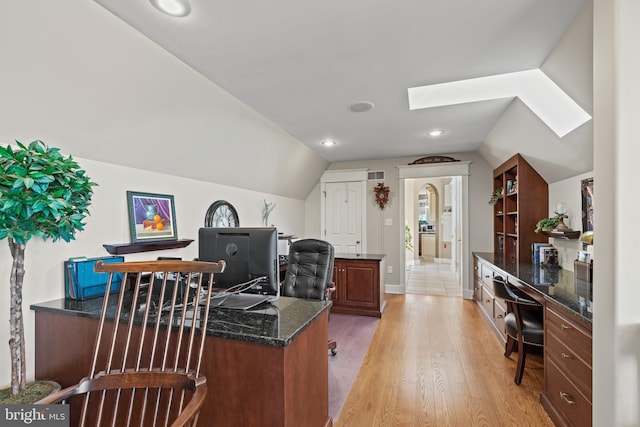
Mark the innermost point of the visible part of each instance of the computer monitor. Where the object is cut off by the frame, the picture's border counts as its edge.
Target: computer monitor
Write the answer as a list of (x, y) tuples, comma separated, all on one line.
[(250, 254)]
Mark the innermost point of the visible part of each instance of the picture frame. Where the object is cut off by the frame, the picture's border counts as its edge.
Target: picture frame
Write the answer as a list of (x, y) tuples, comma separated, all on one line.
[(586, 189), (152, 217)]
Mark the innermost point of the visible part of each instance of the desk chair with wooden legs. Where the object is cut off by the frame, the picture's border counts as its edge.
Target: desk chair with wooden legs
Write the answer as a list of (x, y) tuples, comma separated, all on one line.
[(147, 376), (310, 272), (523, 323)]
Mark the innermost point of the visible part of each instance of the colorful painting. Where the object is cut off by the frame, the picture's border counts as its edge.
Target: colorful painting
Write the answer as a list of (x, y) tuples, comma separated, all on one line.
[(151, 217)]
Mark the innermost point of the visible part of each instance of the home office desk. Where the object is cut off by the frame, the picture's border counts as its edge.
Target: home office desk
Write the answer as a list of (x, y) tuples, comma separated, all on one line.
[(268, 368), (568, 304)]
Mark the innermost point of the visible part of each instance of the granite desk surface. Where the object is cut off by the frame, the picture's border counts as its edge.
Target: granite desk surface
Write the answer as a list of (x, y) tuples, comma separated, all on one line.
[(276, 323), (557, 284), (363, 257)]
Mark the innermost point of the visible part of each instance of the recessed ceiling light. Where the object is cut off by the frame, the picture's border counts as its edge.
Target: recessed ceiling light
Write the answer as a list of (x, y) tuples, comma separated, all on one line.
[(362, 107), (328, 142), (436, 132), (177, 8)]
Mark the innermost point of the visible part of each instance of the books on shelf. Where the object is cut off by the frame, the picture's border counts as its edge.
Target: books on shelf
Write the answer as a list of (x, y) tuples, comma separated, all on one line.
[(584, 256), (535, 252), (549, 256)]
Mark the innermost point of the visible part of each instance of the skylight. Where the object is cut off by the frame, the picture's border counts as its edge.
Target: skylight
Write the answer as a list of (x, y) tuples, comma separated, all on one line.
[(537, 91)]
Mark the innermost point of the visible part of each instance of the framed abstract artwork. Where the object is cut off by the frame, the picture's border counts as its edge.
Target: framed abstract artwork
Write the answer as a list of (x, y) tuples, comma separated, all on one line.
[(587, 204), (152, 217)]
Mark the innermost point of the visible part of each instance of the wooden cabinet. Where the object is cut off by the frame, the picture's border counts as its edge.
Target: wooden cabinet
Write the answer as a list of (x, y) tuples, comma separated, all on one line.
[(567, 393), (524, 202), (493, 309), (359, 287), (567, 367), (428, 245), (263, 374)]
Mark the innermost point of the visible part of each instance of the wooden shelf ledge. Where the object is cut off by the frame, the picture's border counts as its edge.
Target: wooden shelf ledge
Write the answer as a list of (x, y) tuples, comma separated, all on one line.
[(562, 234), (129, 248)]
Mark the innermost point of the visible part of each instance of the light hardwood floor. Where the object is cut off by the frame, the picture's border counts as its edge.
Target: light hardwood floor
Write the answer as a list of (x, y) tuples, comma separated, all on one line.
[(434, 362)]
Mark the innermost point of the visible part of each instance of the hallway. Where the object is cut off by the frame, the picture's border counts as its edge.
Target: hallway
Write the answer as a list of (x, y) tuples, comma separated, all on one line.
[(430, 278), (434, 362)]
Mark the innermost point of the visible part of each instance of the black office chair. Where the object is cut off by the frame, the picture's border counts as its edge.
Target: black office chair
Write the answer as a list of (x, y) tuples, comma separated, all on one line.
[(310, 272), (523, 323)]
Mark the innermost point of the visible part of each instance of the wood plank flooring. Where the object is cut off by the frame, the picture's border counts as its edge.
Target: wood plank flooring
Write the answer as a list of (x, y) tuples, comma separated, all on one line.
[(434, 362)]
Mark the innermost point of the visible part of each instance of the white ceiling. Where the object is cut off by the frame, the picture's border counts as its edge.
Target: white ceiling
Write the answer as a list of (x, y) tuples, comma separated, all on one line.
[(302, 64)]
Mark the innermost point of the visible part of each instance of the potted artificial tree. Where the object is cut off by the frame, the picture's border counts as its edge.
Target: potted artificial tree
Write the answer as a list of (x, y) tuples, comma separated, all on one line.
[(42, 193)]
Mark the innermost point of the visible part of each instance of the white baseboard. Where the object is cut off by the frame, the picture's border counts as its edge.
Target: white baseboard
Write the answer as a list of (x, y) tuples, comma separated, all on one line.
[(442, 260), (467, 293), (394, 289)]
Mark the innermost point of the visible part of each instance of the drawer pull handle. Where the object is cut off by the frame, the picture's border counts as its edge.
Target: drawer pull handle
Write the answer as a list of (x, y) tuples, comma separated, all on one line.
[(499, 316), (565, 327), (567, 356), (567, 398), (487, 301)]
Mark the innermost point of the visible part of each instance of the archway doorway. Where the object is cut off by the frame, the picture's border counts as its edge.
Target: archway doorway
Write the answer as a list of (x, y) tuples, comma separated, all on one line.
[(431, 267), (459, 216)]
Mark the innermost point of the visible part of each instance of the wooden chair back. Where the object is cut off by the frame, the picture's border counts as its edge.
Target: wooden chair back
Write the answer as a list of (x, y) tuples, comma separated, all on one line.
[(145, 368)]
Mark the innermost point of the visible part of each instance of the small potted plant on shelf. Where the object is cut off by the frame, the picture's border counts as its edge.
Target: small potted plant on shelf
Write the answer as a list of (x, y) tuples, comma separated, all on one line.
[(42, 193), (496, 195), (546, 224)]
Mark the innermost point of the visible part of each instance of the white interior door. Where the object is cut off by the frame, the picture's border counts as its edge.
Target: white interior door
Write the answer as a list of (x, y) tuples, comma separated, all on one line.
[(343, 213)]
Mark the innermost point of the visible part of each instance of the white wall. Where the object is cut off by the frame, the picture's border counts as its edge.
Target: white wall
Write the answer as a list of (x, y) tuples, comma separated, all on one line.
[(108, 223), (81, 79), (616, 322), (387, 239), (568, 191), (570, 66)]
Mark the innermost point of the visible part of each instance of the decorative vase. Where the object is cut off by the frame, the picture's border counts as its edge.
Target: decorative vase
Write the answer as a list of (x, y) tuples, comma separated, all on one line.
[(150, 212)]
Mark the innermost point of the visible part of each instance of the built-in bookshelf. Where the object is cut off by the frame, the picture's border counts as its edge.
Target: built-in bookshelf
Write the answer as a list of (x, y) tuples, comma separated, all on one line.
[(524, 201)]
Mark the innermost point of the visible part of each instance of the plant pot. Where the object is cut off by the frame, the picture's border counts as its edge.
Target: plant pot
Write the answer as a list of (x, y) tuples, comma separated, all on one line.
[(35, 391)]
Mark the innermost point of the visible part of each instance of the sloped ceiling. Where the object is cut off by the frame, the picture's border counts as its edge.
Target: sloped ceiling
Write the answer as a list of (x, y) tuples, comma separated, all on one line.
[(243, 99), (302, 65)]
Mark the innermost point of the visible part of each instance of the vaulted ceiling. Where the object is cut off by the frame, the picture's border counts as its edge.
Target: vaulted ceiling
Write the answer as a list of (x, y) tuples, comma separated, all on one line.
[(303, 65)]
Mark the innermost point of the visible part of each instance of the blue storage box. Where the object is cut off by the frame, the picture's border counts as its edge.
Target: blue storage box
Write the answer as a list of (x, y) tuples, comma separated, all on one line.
[(82, 282)]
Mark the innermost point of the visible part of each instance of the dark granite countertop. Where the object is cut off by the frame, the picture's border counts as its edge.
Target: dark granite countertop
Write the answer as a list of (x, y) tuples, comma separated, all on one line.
[(276, 323), (558, 285), (364, 257)]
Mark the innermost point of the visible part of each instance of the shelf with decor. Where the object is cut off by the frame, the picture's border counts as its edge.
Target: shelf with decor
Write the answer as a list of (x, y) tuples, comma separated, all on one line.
[(524, 200), (567, 235), (129, 248)]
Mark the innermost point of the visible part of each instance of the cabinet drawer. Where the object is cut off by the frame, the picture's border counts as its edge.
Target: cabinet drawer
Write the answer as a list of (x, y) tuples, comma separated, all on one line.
[(565, 397), (499, 313), (576, 369), (486, 301), (486, 275), (568, 332)]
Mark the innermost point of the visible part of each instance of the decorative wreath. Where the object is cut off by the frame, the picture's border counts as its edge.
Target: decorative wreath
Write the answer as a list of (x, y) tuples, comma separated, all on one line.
[(382, 194)]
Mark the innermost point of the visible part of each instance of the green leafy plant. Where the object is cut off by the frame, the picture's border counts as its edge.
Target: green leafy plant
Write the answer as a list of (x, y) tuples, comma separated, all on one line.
[(408, 239), (495, 196), (546, 224), (42, 194)]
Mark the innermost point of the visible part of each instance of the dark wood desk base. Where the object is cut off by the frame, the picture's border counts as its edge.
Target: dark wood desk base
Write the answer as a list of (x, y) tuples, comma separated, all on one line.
[(249, 384)]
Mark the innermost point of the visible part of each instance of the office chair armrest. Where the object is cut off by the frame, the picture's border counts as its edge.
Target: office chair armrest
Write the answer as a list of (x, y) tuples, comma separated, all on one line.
[(524, 301), (331, 287)]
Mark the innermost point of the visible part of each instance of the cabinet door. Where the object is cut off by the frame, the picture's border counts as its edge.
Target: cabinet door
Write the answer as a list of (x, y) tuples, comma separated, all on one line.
[(362, 282)]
